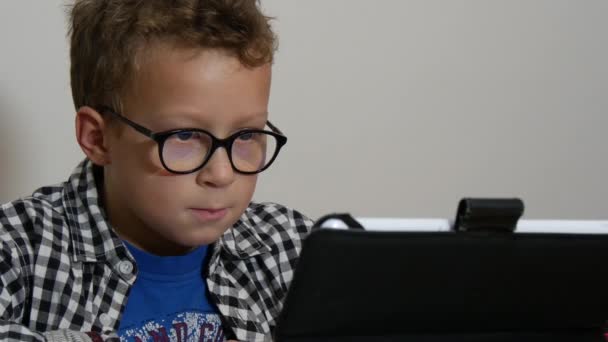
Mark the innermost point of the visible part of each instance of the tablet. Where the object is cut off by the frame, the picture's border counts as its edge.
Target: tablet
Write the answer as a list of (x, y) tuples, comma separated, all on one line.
[(447, 286)]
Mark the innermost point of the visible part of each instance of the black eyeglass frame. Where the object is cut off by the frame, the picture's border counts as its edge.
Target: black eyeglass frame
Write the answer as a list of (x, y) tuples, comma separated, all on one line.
[(226, 143)]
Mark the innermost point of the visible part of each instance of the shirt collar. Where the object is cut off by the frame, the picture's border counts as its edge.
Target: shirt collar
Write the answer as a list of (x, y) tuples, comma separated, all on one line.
[(245, 239), (93, 239)]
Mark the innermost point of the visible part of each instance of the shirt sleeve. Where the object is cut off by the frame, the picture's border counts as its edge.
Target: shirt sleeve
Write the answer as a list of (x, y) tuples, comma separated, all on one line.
[(12, 301)]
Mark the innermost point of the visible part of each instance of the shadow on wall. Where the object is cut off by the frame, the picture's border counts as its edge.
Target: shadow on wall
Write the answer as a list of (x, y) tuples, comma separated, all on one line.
[(10, 162)]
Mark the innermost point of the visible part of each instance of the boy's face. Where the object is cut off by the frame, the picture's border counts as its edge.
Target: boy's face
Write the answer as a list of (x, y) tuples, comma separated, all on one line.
[(173, 88)]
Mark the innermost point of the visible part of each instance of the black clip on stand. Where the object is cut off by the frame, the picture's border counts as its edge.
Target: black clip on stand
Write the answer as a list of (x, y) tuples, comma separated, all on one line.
[(488, 215)]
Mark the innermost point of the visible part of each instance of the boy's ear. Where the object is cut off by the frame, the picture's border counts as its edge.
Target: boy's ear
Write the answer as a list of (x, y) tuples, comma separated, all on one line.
[(91, 135)]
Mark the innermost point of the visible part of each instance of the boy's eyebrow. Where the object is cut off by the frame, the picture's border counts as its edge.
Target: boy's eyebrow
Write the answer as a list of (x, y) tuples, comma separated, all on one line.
[(185, 119), (253, 117)]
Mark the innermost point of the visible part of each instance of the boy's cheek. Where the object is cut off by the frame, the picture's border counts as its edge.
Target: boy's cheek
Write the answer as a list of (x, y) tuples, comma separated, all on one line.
[(162, 172)]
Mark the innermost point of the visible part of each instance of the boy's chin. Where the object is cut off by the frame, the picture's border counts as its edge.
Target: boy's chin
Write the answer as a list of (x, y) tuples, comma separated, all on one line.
[(188, 233)]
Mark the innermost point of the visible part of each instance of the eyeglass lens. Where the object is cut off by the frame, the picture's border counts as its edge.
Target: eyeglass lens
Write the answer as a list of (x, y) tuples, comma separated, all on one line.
[(187, 150)]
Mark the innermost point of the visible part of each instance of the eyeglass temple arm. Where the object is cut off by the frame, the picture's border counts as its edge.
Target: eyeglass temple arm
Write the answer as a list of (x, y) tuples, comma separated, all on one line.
[(145, 131), (141, 129), (274, 128)]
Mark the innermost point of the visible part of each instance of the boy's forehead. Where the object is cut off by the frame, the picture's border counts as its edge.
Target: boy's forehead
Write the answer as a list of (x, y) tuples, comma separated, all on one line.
[(186, 84), (162, 52), (171, 57)]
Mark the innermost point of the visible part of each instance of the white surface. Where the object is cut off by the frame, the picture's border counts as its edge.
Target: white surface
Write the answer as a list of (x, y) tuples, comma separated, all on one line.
[(564, 226), (394, 224), (392, 107), (443, 225)]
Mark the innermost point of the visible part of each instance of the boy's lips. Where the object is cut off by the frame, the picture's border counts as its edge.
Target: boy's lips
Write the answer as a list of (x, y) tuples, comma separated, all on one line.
[(209, 214)]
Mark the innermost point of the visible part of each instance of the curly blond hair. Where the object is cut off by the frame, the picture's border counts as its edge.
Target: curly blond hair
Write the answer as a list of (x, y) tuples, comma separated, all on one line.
[(106, 37)]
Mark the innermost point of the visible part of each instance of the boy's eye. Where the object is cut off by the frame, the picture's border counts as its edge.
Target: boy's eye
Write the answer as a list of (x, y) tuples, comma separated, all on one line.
[(185, 135), (246, 136)]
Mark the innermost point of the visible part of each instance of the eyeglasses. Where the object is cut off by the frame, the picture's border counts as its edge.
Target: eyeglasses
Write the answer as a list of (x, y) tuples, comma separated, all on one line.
[(187, 150)]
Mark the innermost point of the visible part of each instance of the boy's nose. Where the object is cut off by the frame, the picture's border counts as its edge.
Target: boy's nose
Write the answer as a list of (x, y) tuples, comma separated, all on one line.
[(218, 171)]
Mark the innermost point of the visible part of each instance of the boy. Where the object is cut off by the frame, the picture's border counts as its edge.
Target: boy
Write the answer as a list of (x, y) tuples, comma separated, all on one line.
[(153, 237)]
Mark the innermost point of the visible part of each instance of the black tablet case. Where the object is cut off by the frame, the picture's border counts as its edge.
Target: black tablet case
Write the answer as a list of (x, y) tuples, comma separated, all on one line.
[(451, 286)]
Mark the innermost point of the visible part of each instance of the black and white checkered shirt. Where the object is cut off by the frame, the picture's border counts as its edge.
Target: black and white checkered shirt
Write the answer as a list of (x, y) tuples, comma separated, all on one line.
[(65, 275)]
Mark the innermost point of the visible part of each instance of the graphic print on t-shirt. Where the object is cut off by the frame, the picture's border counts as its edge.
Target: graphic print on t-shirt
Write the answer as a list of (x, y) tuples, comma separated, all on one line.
[(168, 301), (181, 327)]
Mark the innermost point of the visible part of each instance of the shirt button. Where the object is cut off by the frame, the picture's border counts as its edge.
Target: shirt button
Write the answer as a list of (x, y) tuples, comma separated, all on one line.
[(105, 319), (125, 267)]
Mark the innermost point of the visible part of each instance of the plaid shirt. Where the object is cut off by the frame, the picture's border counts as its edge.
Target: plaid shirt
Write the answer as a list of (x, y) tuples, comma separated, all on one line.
[(66, 276)]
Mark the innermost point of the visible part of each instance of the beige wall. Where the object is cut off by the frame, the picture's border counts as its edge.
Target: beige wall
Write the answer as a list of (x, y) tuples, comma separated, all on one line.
[(392, 107)]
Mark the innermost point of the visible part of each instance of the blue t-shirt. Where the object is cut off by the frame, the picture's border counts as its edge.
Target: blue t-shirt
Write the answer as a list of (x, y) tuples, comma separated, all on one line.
[(168, 301)]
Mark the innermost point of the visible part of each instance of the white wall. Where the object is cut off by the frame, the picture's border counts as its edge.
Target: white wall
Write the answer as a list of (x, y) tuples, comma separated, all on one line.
[(392, 107)]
